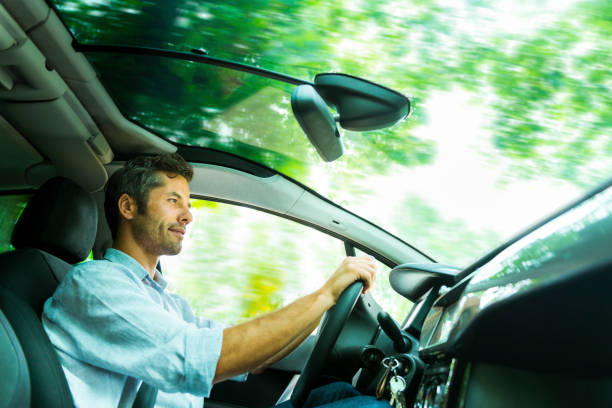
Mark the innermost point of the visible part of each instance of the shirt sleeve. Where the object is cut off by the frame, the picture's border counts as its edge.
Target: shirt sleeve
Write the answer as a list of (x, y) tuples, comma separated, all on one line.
[(203, 322), (105, 317), (187, 314)]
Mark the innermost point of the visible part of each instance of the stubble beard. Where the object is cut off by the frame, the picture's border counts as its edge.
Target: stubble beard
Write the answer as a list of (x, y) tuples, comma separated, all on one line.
[(153, 237)]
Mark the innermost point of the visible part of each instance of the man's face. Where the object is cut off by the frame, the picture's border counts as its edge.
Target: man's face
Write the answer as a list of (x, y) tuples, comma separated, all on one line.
[(160, 229)]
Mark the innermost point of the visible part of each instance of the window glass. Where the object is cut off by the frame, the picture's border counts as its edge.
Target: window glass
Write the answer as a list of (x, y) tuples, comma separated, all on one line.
[(237, 263), (511, 99), (11, 207), (391, 302)]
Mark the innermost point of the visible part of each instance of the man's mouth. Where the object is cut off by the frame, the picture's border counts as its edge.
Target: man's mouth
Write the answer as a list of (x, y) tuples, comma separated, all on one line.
[(178, 230)]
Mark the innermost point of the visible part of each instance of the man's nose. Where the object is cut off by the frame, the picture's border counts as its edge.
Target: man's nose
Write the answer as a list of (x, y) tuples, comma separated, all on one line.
[(186, 216)]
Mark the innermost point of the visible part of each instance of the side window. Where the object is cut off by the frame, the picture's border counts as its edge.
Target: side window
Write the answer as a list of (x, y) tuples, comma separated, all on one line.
[(237, 263), (11, 207), (391, 302)]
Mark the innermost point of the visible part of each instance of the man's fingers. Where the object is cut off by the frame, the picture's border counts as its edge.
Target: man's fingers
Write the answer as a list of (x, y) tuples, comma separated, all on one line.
[(366, 271), (353, 268)]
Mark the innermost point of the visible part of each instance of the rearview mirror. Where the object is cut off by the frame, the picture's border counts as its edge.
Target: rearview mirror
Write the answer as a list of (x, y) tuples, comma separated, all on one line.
[(315, 118), (360, 105)]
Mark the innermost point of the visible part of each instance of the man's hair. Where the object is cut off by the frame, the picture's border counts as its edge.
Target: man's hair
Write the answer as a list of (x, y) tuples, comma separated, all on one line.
[(137, 178)]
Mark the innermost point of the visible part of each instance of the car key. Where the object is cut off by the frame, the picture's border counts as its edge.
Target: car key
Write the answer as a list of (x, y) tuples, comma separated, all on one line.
[(401, 400), (389, 363), (397, 384), (393, 399)]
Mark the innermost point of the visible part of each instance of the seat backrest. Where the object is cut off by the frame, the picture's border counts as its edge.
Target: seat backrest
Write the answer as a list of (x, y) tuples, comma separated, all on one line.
[(48, 383), (15, 384), (57, 228)]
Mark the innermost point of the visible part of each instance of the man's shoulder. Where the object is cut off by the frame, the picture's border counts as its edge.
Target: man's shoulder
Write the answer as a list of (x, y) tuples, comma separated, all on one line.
[(84, 268), (98, 270), (96, 278)]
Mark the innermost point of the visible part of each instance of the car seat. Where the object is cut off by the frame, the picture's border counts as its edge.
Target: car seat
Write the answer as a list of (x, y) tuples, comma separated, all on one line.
[(15, 384), (56, 230)]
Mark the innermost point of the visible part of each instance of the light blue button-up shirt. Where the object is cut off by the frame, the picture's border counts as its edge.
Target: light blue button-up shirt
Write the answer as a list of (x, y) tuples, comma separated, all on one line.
[(114, 327)]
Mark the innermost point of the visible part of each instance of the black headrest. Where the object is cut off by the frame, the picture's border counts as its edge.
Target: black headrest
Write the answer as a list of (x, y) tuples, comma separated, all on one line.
[(61, 218)]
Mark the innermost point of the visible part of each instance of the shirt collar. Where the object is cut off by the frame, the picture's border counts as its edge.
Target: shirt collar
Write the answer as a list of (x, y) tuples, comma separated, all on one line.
[(159, 279), (115, 255)]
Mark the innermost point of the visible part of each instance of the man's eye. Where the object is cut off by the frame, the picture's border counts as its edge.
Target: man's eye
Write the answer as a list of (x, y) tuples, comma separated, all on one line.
[(173, 200)]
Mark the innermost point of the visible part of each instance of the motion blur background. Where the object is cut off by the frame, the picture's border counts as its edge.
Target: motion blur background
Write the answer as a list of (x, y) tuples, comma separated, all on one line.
[(511, 119)]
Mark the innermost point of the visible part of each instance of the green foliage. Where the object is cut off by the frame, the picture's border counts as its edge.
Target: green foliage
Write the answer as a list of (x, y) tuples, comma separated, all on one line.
[(238, 263), (11, 207), (548, 88), (546, 91), (434, 233), (551, 106)]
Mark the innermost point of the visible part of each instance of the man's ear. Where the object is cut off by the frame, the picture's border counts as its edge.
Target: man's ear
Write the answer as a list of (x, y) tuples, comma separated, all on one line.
[(127, 206)]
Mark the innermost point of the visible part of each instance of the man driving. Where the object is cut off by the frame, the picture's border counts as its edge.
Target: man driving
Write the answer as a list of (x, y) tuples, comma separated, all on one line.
[(114, 324)]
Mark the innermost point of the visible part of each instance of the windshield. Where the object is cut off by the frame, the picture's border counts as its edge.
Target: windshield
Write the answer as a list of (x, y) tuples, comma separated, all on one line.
[(511, 104)]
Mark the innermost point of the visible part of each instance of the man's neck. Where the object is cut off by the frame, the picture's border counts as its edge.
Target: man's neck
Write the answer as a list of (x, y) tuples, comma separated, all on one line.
[(148, 261)]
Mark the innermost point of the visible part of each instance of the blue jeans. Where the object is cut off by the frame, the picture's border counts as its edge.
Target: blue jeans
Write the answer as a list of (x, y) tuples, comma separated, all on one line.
[(338, 395)]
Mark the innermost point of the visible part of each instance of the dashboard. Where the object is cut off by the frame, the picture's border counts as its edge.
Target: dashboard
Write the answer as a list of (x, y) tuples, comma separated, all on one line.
[(530, 327)]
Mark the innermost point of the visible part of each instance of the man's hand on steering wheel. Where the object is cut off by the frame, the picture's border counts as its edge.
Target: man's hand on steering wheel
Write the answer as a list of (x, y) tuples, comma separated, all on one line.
[(354, 275), (352, 269)]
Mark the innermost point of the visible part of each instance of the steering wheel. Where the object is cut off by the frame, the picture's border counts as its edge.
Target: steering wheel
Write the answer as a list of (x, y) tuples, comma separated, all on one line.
[(332, 325)]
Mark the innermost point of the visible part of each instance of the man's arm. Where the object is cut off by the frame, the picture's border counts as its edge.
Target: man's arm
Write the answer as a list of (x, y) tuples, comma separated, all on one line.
[(254, 343), (293, 344)]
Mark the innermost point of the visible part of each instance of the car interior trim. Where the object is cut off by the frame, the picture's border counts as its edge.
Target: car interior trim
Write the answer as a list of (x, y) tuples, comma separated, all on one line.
[(23, 156), (421, 254), (187, 56), (225, 159), (50, 36)]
